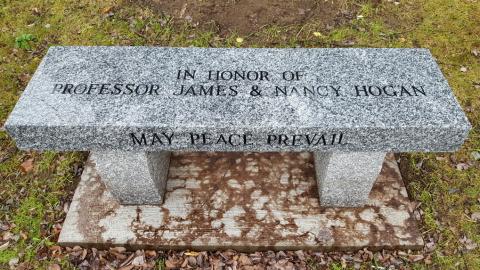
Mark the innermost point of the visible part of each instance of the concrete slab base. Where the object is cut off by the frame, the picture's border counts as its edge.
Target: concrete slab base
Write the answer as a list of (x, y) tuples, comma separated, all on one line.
[(242, 201)]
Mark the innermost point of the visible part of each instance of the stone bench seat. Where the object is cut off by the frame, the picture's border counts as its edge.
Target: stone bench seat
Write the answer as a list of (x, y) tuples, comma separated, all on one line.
[(132, 106)]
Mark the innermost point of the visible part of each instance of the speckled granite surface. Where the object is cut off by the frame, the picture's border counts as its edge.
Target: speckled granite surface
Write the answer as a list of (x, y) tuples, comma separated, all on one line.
[(135, 98), (346, 179), (133, 178), (244, 201)]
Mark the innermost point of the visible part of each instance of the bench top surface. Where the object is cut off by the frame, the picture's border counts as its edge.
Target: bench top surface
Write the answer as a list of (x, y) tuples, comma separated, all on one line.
[(87, 98)]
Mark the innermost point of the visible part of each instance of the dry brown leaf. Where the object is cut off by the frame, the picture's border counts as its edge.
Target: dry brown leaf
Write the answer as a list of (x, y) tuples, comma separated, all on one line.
[(27, 165), (107, 9), (23, 235), (118, 249), (84, 254), (57, 228), (184, 264), (4, 246), (170, 264), (128, 260), (24, 78), (192, 261), (36, 11), (54, 267), (55, 249), (191, 253), (428, 260), (150, 253), (415, 258), (244, 260)]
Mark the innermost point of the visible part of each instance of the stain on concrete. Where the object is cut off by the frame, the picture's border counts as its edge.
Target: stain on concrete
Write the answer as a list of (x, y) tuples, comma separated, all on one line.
[(245, 201)]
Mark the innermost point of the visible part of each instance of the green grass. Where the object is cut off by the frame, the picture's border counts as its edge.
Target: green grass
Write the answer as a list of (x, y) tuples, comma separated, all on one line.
[(450, 29)]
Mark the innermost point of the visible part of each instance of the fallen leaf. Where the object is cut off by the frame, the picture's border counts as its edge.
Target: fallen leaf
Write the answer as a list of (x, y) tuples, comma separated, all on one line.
[(182, 11), (23, 235), (191, 253), (475, 216), (300, 255), (27, 165), (4, 246), (184, 264), (150, 253), (128, 260), (453, 190), (192, 261), (428, 260), (468, 243), (55, 249), (169, 264), (317, 34), (244, 260), (84, 254), (429, 246), (138, 261), (471, 245), (118, 249), (415, 258), (107, 9), (54, 267), (24, 78), (239, 40), (36, 12), (13, 261), (7, 236), (419, 164), (57, 228), (462, 166)]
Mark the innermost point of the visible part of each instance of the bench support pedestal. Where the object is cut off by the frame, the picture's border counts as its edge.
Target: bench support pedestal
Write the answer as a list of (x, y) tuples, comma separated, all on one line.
[(134, 177), (346, 179), (138, 178)]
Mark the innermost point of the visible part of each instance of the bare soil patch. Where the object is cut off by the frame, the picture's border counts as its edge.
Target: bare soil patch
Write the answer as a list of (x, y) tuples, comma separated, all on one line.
[(245, 16)]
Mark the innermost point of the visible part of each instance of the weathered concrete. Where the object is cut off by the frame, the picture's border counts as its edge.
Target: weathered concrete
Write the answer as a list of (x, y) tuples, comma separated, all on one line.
[(133, 177), (346, 179), (245, 201)]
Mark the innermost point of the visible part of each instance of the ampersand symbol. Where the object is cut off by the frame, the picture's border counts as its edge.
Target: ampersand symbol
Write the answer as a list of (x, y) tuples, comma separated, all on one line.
[(255, 92)]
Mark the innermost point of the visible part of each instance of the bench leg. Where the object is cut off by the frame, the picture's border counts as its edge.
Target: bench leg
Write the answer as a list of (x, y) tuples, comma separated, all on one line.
[(134, 177), (345, 179)]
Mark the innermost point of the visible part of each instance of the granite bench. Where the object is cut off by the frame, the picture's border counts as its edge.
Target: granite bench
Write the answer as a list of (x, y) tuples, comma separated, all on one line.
[(132, 106)]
